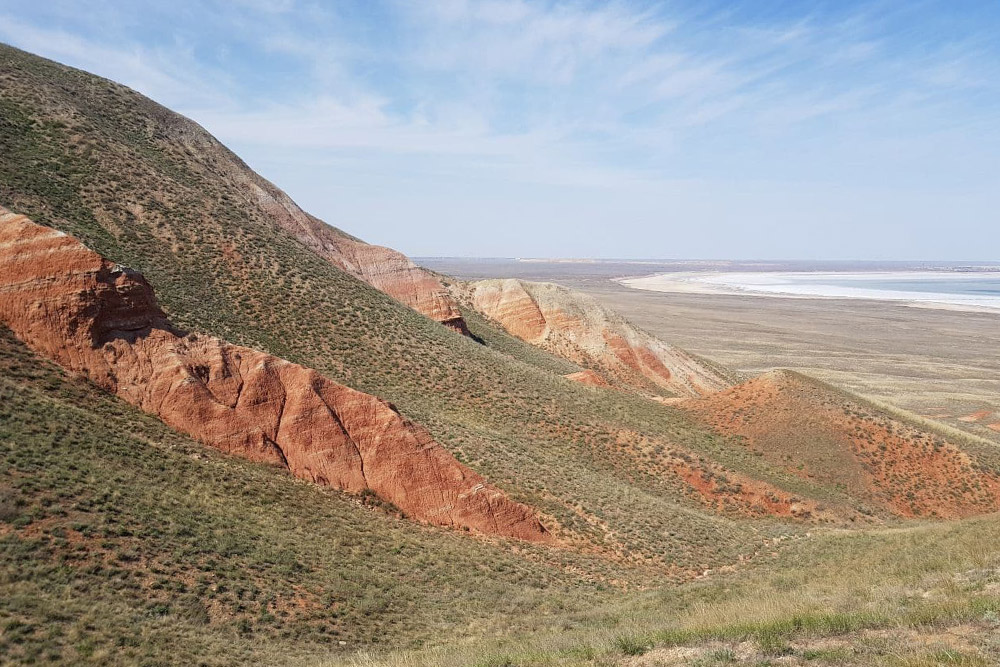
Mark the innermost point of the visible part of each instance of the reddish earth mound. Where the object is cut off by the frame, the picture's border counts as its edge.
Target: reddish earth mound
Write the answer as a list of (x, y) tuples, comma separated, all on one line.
[(818, 433), (725, 491), (576, 327), (720, 489), (589, 378), (383, 268), (102, 320)]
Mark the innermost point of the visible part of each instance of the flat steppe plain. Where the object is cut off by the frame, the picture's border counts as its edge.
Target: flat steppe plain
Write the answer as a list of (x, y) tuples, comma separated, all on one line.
[(941, 364)]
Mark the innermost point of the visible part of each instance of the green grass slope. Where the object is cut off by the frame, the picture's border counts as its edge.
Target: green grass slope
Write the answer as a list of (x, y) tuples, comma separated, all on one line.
[(122, 541), (150, 189)]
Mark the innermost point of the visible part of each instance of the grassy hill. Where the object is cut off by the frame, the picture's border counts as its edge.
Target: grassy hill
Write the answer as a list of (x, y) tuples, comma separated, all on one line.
[(150, 189), (123, 541)]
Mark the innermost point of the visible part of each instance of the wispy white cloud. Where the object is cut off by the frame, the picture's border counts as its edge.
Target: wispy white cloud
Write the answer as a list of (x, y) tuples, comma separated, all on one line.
[(529, 42), (172, 75), (631, 96), (326, 123)]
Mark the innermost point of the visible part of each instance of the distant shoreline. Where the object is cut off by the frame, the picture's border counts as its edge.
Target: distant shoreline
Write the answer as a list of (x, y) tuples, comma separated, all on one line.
[(871, 285)]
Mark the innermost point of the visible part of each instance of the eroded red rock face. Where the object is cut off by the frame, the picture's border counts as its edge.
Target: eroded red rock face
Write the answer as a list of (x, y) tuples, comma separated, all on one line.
[(383, 268), (101, 320), (574, 326)]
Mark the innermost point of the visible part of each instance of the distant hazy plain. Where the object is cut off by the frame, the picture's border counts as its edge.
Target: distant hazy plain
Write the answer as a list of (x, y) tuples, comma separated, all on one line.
[(965, 289)]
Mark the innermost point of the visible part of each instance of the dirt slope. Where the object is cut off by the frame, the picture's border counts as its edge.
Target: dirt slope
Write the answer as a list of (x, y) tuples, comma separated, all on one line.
[(102, 320), (574, 326), (824, 435)]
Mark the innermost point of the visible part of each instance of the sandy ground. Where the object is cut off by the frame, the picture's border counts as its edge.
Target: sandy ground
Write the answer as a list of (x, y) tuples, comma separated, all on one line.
[(943, 364)]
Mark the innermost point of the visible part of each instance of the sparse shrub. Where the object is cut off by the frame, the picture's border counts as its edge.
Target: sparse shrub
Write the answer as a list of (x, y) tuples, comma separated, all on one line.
[(10, 505), (771, 642), (722, 656), (632, 644)]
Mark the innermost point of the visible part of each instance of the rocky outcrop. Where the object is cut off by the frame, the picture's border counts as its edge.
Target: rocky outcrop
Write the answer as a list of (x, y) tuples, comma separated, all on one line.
[(383, 268), (102, 320), (574, 326)]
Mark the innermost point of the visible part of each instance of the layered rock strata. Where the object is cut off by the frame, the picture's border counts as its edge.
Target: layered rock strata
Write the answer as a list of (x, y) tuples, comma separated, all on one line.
[(101, 320), (574, 326)]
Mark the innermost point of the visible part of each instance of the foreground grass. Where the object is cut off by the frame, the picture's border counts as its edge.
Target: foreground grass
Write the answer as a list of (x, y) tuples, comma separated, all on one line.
[(122, 542), (880, 597)]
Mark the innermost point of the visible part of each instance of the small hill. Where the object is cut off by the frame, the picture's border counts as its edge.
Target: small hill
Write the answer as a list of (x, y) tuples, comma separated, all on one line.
[(574, 326), (828, 436)]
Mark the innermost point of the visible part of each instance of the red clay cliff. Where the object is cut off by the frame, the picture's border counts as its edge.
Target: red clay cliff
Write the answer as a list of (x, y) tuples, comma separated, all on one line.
[(575, 326), (102, 320)]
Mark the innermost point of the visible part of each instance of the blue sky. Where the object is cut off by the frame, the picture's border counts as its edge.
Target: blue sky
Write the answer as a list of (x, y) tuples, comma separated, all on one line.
[(754, 129)]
